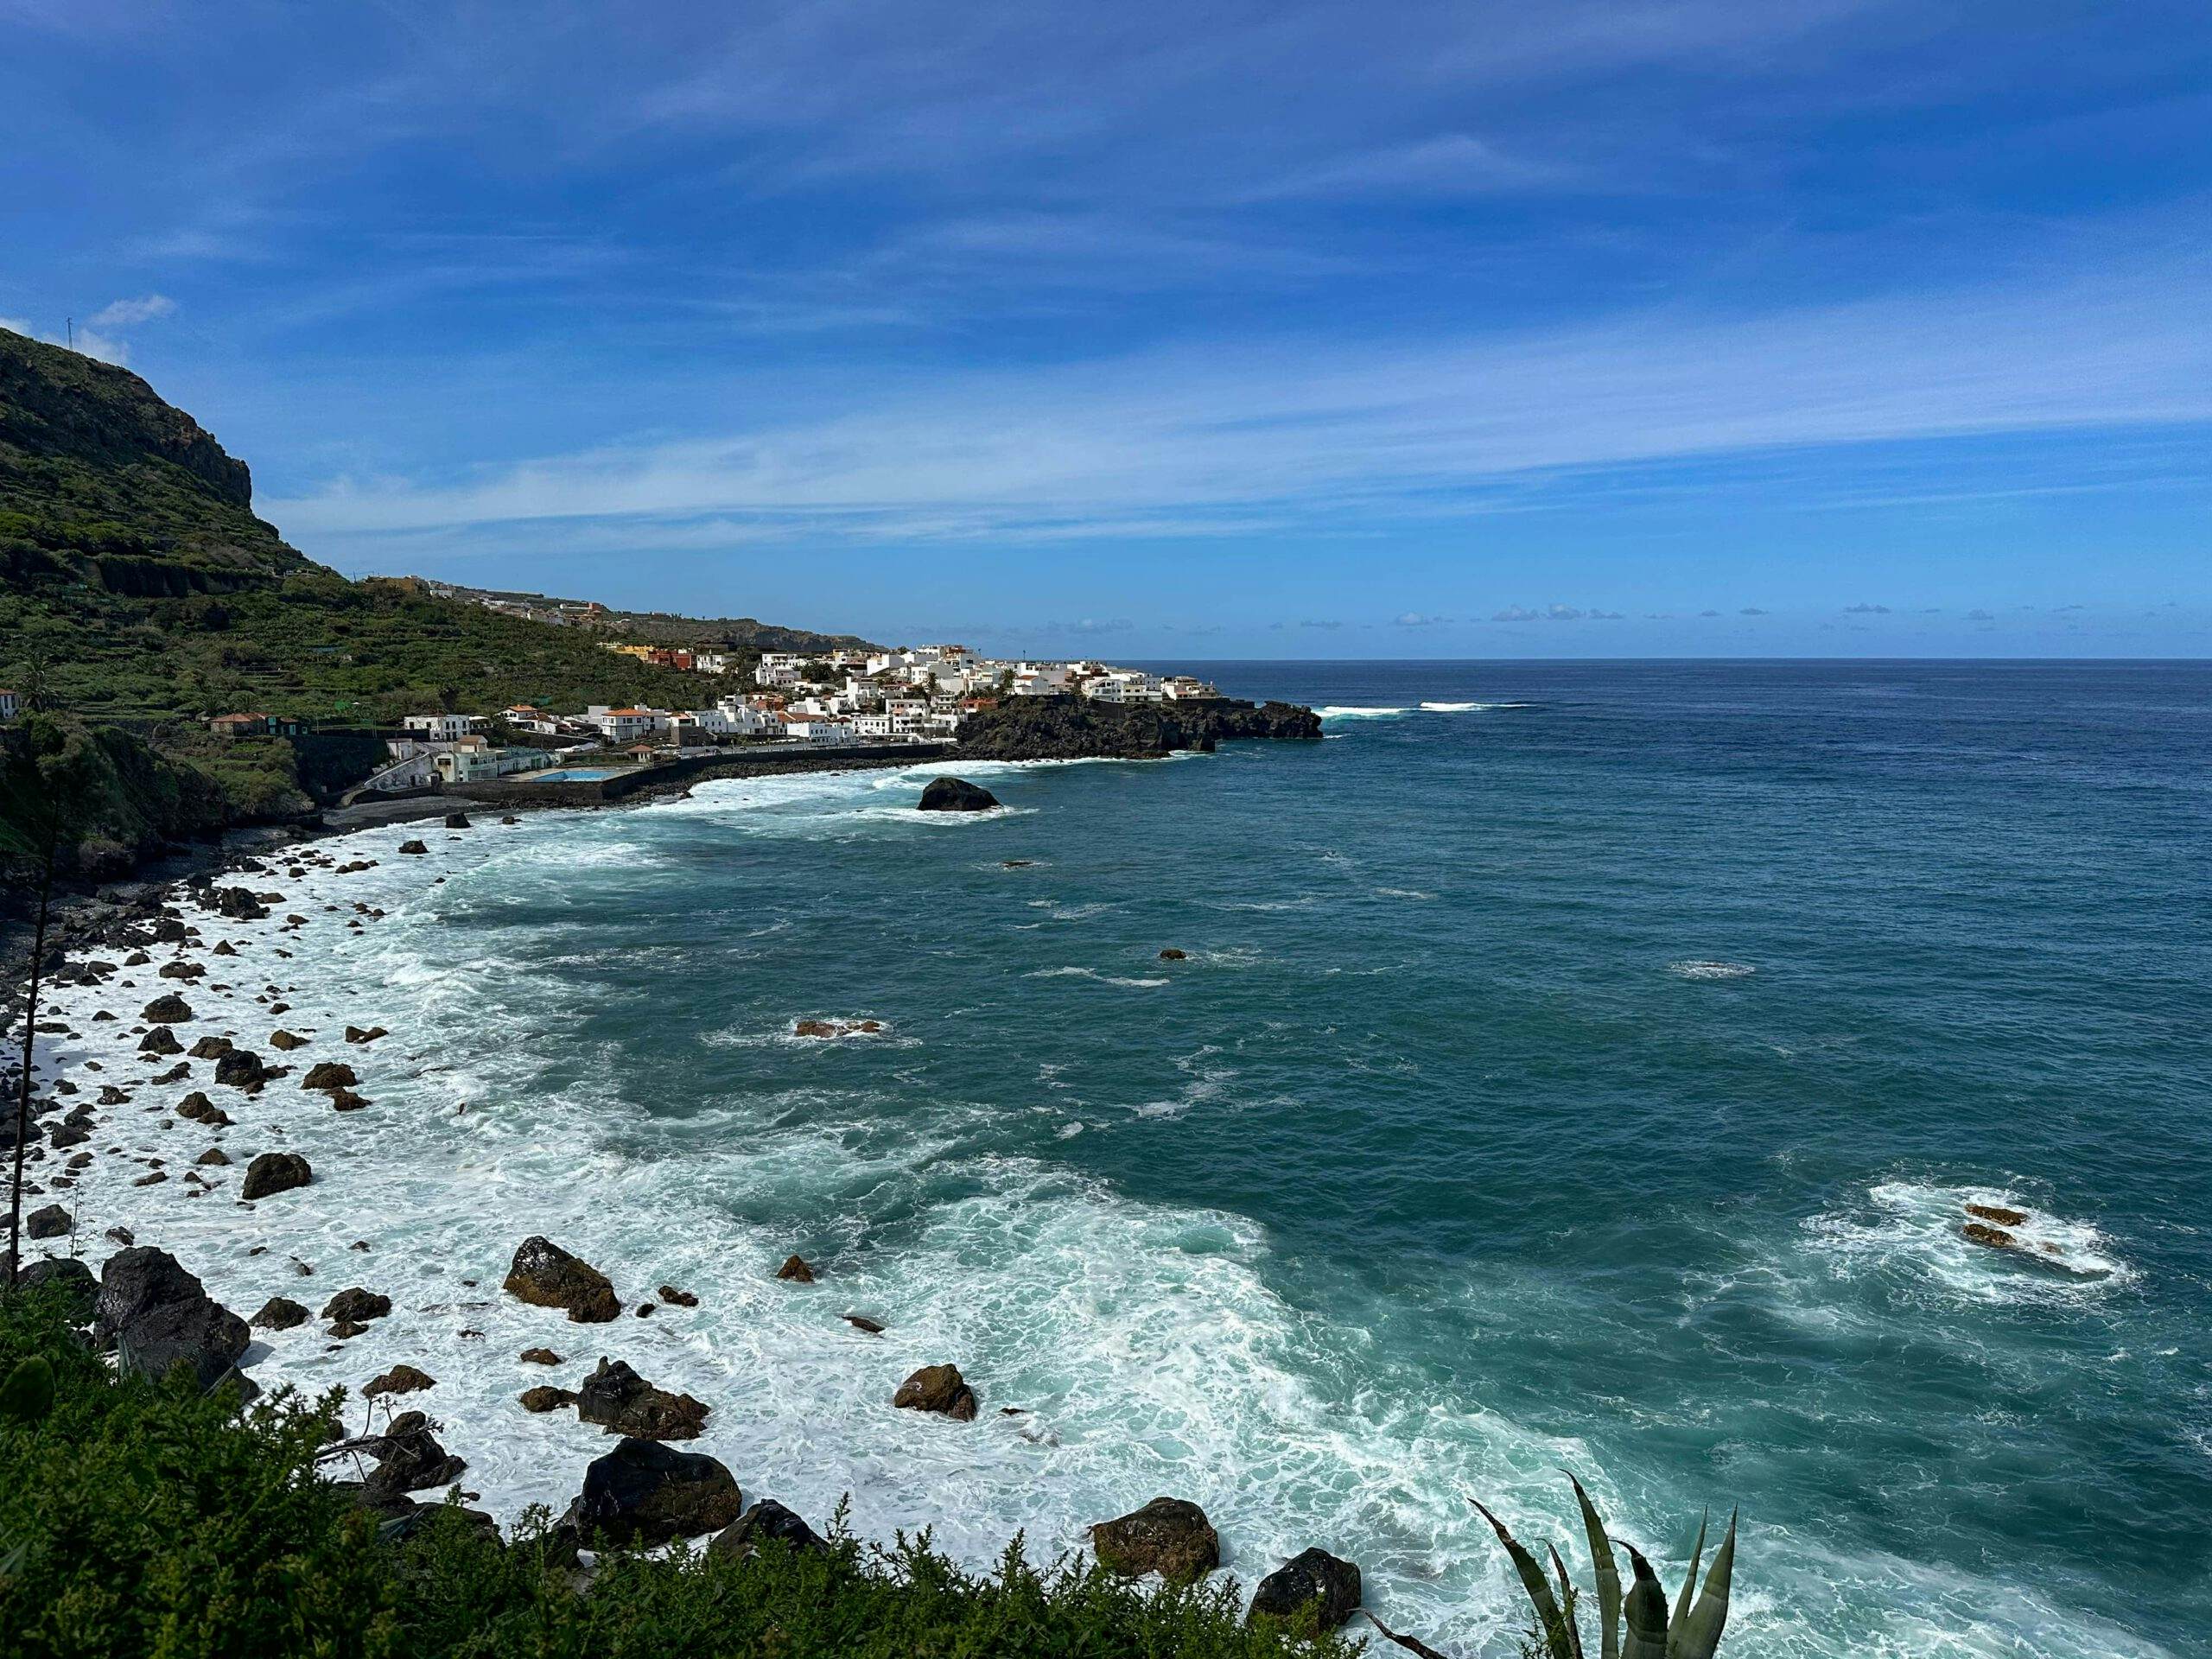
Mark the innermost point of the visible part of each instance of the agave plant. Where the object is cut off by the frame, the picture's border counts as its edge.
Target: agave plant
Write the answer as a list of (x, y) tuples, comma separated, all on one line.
[(1692, 1632)]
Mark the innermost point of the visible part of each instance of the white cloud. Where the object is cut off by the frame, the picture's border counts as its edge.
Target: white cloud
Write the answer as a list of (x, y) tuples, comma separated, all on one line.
[(125, 314)]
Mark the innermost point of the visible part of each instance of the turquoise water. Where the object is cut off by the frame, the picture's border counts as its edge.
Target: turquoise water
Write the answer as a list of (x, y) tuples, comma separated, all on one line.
[(1573, 1065), (574, 775)]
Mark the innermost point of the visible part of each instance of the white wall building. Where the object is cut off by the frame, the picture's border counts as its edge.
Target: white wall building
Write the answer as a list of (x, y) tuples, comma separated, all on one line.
[(442, 727)]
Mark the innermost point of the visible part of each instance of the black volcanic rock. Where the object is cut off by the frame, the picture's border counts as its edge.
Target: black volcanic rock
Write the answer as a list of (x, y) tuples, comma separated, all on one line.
[(643, 1492), (956, 795), (157, 1316), (1070, 729), (1312, 1575)]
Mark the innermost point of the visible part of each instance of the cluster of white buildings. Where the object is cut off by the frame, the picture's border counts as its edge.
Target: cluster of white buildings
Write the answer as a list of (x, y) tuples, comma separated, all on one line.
[(916, 694)]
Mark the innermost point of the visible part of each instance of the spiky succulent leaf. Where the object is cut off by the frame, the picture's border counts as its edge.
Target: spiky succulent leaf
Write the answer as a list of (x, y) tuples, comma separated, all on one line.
[(1646, 1610), (1608, 1574), (1532, 1580), (1567, 1603), (1697, 1636), (1689, 1584), (1412, 1644)]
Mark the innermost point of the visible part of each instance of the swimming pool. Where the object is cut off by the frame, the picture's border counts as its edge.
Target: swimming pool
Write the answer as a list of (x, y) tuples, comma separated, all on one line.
[(577, 774)]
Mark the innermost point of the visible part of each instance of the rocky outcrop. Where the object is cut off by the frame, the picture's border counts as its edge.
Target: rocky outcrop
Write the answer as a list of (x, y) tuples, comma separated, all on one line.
[(157, 1316), (539, 1356), (1997, 1214), (279, 1313), (795, 1268), (939, 1388), (675, 1297), (356, 1306), (1312, 1577), (837, 1027), (243, 1069), (1168, 1536), (544, 1399), (412, 846), (956, 795), (286, 1041), (356, 1034), (1068, 728), (1996, 1238), (79, 1288), (53, 1222), (767, 1521), (329, 1074), (272, 1172), (169, 1010), (457, 821), (620, 1402), (400, 1379), (545, 1275), (643, 1492), (410, 1460)]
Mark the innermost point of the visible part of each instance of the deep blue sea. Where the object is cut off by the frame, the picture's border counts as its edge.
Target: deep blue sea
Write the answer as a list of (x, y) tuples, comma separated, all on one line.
[(1574, 1066)]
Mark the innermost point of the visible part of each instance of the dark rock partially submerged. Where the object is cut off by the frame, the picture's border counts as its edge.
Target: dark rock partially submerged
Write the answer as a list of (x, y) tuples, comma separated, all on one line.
[(544, 1399), (545, 1275), (767, 1521), (157, 1316), (643, 1492), (1169, 1535), (279, 1313), (956, 795), (620, 1402), (272, 1172), (410, 1461), (1070, 729), (939, 1388), (1310, 1576)]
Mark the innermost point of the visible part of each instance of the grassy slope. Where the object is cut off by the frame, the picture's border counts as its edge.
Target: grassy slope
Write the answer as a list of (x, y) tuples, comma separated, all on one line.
[(140, 594)]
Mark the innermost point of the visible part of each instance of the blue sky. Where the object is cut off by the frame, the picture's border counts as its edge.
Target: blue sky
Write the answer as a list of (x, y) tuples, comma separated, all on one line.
[(1697, 327)]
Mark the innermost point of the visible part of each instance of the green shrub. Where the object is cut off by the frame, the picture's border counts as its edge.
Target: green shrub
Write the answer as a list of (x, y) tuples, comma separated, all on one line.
[(139, 1518)]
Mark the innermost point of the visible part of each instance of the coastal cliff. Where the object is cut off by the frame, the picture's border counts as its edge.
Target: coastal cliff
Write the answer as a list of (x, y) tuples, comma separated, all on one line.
[(1069, 728)]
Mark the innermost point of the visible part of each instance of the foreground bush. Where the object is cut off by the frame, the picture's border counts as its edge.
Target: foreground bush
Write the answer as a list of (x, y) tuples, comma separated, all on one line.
[(139, 1518)]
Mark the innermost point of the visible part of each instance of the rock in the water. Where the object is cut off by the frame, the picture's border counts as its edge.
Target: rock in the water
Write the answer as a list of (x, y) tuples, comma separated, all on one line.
[(767, 1521), (213, 1158), (170, 1010), (411, 1460), (401, 1379), (795, 1268), (243, 1069), (1998, 1214), (412, 846), (1171, 954), (344, 1100), (622, 1402), (53, 1222), (939, 1388), (237, 903), (643, 1492), (155, 1315), (271, 1173), (279, 1313), (356, 1034), (181, 969), (956, 795), (1311, 1576), (837, 1027), (286, 1040), (457, 821), (329, 1074), (1995, 1237), (861, 1322), (539, 1356), (545, 1275), (357, 1306), (1168, 1536), (675, 1297), (542, 1398), (160, 1040), (210, 1048), (75, 1278)]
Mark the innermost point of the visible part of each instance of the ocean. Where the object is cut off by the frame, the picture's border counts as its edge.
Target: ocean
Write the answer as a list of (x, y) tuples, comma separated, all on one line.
[(1572, 1066)]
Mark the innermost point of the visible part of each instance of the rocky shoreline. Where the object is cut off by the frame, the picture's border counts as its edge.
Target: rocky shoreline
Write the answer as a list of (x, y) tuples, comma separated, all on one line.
[(175, 1053)]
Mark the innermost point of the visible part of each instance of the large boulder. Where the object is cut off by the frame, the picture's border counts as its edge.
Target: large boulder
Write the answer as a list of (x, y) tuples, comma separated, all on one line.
[(155, 1315), (400, 1379), (279, 1313), (238, 903), (643, 1492), (78, 1286), (543, 1398), (356, 1306), (243, 1069), (620, 1402), (1312, 1576), (53, 1222), (938, 1389), (767, 1521), (545, 1275), (956, 795), (274, 1172), (329, 1074), (409, 1460), (169, 1010), (1169, 1536)]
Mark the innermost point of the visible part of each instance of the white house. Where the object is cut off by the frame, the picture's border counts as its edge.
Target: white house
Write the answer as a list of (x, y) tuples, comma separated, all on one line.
[(817, 729), (621, 726), (473, 762), (438, 727)]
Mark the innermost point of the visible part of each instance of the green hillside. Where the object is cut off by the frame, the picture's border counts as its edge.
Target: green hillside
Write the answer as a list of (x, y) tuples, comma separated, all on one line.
[(139, 595)]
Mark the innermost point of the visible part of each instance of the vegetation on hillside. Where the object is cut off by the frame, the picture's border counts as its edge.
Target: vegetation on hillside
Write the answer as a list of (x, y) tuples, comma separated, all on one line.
[(140, 596), (142, 1518)]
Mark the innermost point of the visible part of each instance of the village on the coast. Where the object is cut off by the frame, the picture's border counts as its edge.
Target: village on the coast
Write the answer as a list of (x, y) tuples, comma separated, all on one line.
[(823, 699)]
